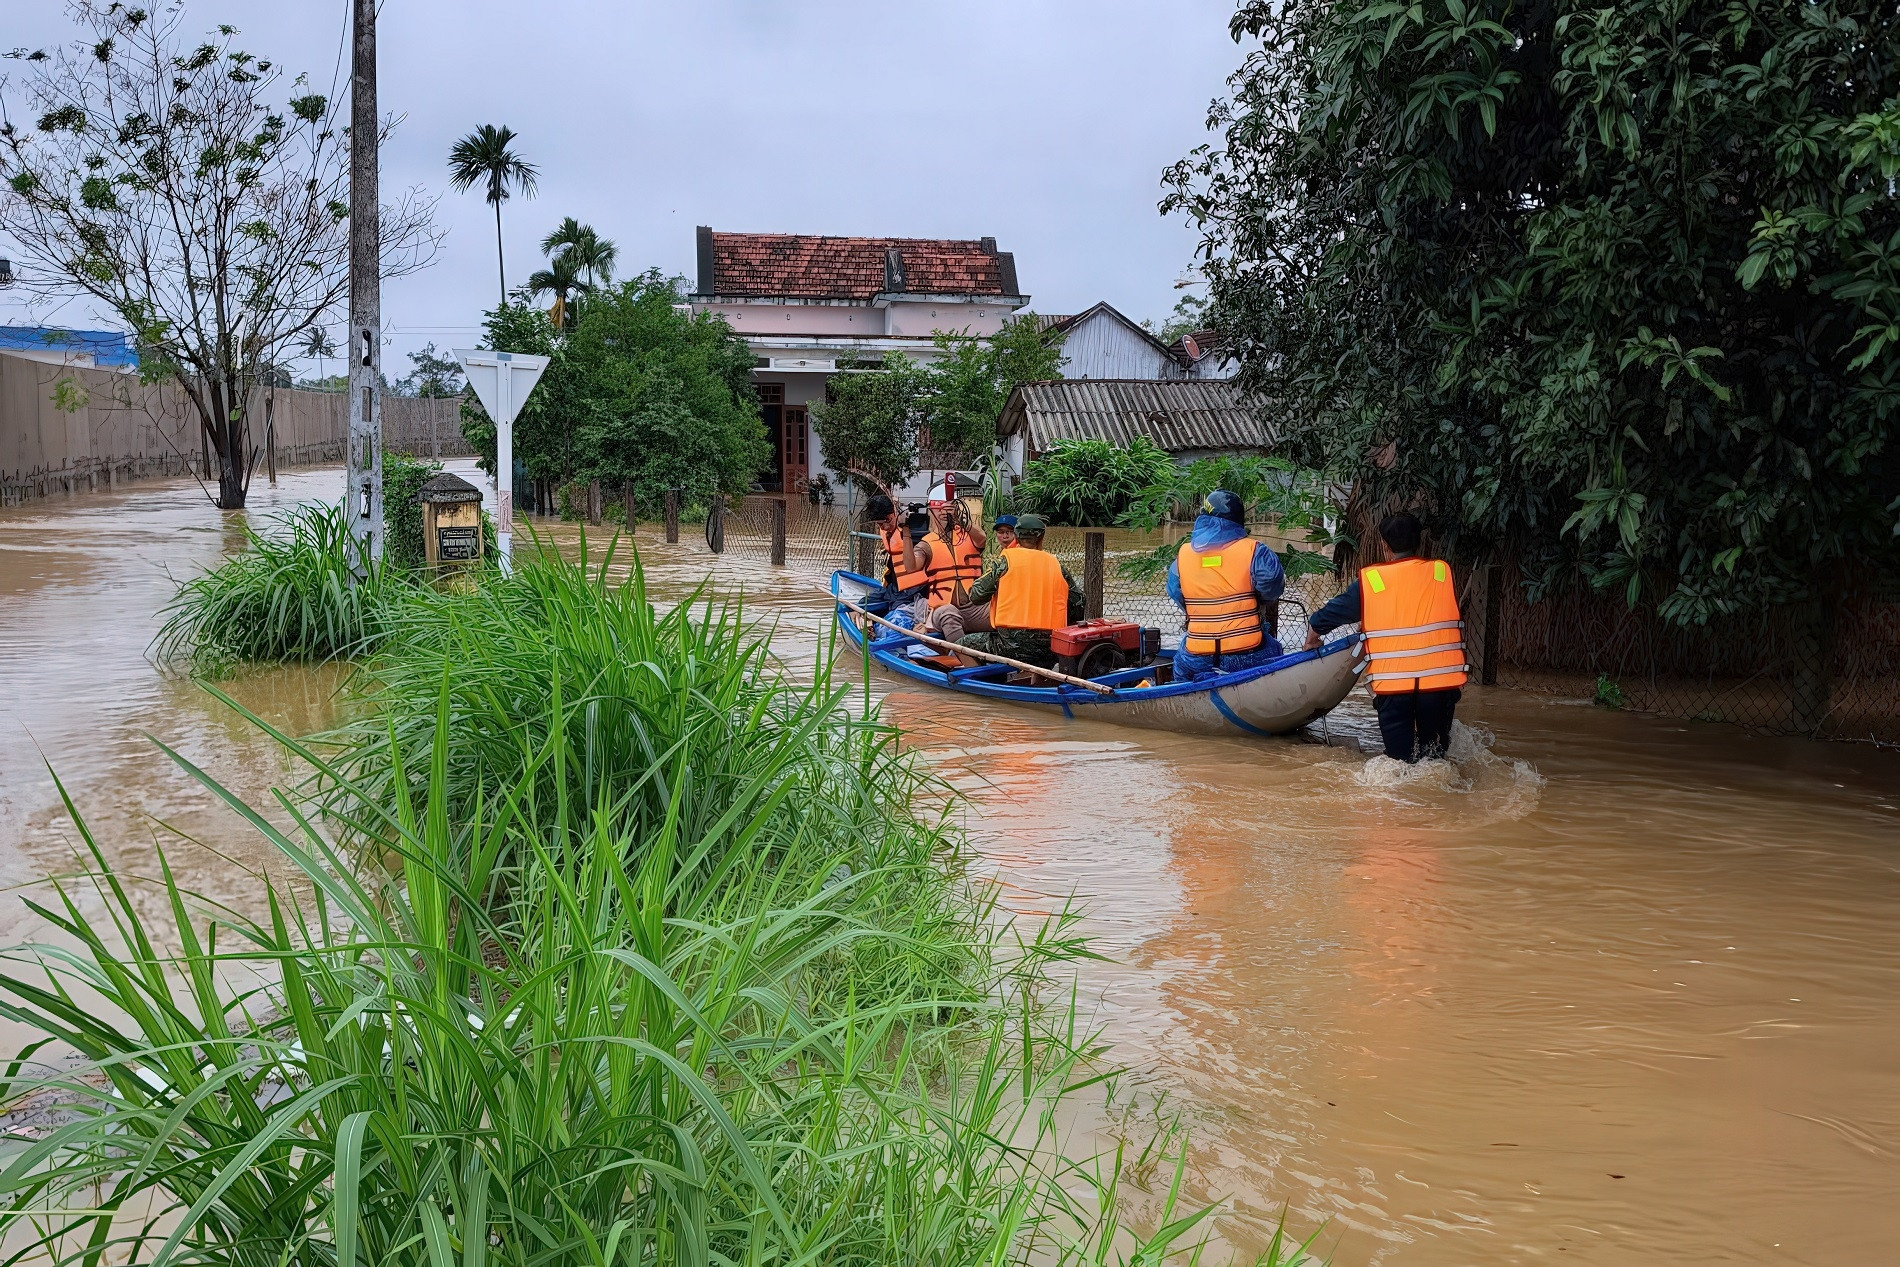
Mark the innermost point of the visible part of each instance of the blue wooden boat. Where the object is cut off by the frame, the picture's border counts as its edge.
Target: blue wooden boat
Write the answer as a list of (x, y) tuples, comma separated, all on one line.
[(1270, 699)]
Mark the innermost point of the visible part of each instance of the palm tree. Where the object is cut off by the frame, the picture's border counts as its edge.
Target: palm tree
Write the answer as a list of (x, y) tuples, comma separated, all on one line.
[(562, 276), (317, 343), (588, 249), (483, 156)]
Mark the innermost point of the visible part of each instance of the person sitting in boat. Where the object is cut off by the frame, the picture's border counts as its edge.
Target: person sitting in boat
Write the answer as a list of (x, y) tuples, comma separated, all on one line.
[(952, 554), (906, 582), (1013, 606), (1226, 582), (1407, 607), (955, 563)]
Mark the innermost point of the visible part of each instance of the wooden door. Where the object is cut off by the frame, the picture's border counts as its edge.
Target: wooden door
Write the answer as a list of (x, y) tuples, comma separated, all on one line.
[(797, 450)]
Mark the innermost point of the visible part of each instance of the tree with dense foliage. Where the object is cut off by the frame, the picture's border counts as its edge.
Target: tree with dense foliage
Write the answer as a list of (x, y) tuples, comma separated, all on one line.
[(431, 375), (486, 157), (668, 396), (1189, 315), (870, 421), (636, 393), (1091, 483), (198, 193), (974, 378), (1613, 288)]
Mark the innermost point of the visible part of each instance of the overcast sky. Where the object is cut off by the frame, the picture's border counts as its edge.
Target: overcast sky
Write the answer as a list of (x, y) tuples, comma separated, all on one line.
[(1043, 123)]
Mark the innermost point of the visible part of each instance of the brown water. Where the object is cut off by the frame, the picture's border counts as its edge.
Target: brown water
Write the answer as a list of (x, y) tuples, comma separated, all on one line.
[(1613, 989)]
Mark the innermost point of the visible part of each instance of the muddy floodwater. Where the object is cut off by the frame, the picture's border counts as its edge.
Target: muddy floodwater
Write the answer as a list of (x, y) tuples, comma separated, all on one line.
[(1609, 990)]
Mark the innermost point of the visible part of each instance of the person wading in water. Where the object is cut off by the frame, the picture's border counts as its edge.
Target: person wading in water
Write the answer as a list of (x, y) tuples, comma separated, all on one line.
[(1408, 610)]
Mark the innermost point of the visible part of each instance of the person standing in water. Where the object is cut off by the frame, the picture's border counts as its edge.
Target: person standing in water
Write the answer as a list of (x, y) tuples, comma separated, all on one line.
[(1408, 610)]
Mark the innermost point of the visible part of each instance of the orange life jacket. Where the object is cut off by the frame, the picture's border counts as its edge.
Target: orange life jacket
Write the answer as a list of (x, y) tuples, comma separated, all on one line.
[(954, 564), (895, 539), (1223, 612), (1414, 637), (1033, 593)]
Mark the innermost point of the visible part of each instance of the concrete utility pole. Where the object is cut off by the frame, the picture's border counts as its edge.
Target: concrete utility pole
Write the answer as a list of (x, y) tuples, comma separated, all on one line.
[(363, 496)]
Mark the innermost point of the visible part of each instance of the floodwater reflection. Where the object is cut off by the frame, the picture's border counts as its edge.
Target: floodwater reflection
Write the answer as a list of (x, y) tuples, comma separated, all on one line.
[(1609, 988)]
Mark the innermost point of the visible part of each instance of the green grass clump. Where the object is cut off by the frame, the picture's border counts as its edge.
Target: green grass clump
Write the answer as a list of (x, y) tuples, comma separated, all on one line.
[(576, 687), (288, 596), (633, 1068)]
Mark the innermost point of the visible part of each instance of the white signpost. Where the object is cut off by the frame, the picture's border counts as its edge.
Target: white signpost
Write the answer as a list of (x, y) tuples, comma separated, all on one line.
[(502, 381)]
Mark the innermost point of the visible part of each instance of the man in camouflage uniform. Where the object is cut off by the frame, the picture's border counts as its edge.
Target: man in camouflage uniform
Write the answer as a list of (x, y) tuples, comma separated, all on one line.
[(974, 629)]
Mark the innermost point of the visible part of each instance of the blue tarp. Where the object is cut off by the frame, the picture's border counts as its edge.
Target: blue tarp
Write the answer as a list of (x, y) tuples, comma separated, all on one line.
[(107, 348)]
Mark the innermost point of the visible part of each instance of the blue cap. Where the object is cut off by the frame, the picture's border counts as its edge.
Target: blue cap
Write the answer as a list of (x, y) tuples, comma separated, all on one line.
[(1004, 521)]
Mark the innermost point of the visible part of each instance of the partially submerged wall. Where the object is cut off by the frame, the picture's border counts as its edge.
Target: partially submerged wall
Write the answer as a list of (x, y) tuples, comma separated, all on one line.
[(66, 430)]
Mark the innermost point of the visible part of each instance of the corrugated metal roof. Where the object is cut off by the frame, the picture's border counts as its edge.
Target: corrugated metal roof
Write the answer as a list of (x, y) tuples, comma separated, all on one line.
[(1180, 415)]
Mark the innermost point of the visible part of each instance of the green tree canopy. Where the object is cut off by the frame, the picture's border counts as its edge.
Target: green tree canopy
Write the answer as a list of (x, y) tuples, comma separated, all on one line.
[(970, 384), (870, 422), (636, 392), (1617, 281)]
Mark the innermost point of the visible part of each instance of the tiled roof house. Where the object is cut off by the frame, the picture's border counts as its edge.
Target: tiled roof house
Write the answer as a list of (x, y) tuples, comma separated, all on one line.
[(810, 306)]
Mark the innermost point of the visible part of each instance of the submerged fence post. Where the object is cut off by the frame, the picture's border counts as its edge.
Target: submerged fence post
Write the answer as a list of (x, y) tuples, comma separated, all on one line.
[(1094, 553), (866, 546), (672, 516), (1493, 617), (716, 524), (626, 503), (593, 501), (1811, 686), (778, 531)]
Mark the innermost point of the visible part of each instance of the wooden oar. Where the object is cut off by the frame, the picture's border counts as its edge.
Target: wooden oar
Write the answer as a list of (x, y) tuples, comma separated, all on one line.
[(952, 648)]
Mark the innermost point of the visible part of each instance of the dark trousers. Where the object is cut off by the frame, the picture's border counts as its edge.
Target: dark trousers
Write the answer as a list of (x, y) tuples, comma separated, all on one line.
[(1416, 725)]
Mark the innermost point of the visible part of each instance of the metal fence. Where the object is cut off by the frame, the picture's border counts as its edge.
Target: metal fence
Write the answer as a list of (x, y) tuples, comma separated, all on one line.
[(1830, 670)]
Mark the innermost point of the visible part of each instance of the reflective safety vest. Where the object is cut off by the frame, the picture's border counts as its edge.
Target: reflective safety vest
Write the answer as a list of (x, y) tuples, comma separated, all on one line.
[(1223, 612), (954, 564), (1414, 638), (895, 540), (1033, 593)]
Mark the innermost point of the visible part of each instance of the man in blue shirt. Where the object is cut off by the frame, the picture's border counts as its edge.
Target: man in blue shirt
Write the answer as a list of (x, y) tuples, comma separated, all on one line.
[(1223, 520)]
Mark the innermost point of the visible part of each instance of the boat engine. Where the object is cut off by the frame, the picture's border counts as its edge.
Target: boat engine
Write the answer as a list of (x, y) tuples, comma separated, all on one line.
[(1099, 646)]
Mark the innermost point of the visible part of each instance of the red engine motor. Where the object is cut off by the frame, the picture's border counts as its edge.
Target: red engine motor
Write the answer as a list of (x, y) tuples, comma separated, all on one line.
[(1100, 646)]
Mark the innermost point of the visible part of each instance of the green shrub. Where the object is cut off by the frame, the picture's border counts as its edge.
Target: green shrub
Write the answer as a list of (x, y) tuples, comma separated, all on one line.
[(403, 478), (1608, 693), (290, 595), (1090, 483)]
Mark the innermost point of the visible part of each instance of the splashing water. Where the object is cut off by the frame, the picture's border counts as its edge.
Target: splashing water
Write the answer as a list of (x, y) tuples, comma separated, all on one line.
[(1468, 766)]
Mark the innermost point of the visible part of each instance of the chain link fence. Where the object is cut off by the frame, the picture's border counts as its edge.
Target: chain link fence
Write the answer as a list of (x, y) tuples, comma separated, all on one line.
[(1829, 670)]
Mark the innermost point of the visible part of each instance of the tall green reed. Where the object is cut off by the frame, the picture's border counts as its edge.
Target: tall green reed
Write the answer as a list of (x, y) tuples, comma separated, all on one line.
[(577, 683), (290, 595), (609, 1082)]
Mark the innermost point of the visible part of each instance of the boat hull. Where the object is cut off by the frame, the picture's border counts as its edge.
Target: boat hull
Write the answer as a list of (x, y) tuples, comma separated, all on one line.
[(1273, 699)]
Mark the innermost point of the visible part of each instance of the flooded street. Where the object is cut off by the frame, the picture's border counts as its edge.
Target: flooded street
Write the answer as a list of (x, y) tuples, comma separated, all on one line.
[(1613, 989)]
